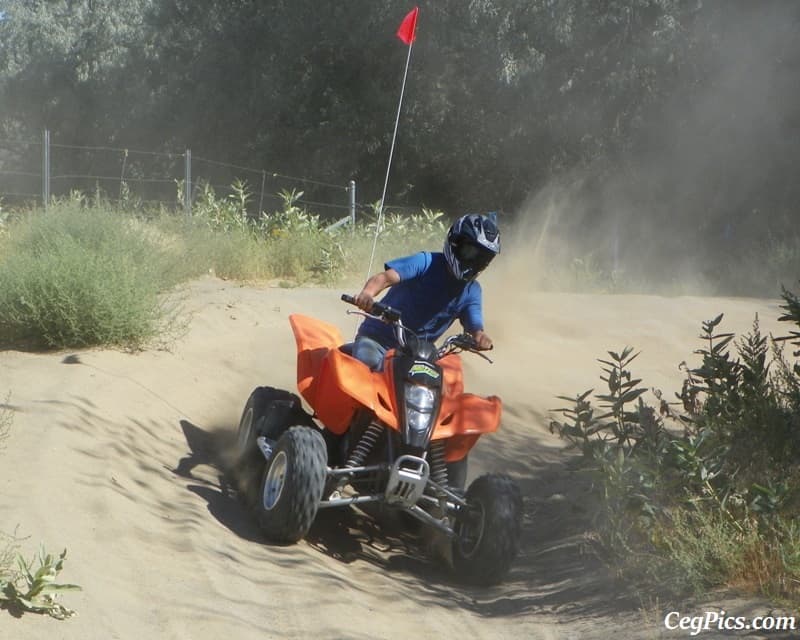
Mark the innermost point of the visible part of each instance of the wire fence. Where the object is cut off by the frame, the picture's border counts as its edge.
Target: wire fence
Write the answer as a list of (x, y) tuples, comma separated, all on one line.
[(36, 172)]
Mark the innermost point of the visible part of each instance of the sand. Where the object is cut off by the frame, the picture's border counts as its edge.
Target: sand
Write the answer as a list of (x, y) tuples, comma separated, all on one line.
[(119, 458)]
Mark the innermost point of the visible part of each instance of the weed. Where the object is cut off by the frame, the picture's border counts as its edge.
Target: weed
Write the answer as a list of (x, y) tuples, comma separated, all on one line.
[(33, 587), (83, 273), (223, 214), (708, 496), (81, 276)]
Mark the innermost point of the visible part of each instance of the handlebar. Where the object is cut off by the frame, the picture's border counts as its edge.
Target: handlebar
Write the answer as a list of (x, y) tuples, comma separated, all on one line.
[(462, 342), (453, 344), (384, 312)]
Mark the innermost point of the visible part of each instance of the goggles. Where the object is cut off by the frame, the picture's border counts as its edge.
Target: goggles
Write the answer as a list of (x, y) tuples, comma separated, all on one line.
[(473, 256)]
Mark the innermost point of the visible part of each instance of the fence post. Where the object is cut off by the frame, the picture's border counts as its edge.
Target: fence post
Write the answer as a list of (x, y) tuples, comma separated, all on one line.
[(122, 189), (46, 169), (352, 191), (187, 183), (261, 198)]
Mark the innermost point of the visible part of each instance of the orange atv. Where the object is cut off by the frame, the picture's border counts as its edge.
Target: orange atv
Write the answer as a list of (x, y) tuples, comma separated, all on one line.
[(399, 437)]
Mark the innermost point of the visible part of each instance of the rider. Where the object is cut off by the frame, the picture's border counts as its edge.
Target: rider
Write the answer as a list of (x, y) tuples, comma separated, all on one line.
[(431, 290)]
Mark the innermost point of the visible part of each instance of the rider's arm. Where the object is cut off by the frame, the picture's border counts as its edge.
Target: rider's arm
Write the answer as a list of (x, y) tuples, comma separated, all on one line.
[(374, 286), (472, 316)]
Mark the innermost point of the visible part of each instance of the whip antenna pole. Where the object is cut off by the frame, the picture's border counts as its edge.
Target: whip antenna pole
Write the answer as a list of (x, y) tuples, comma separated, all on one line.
[(407, 33)]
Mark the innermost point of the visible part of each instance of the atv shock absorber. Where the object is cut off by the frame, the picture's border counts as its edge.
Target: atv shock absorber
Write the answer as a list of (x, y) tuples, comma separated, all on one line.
[(364, 446), (438, 465)]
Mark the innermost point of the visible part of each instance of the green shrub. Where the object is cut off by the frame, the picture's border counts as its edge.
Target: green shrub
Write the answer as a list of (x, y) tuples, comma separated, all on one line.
[(709, 494), (84, 273), (234, 254), (293, 243), (222, 214), (399, 235), (299, 245), (75, 277), (702, 547)]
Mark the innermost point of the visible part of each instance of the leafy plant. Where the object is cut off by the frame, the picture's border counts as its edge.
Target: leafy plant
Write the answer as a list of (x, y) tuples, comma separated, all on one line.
[(33, 587), (223, 214), (792, 308), (623, 444), (710, 499), (82, 276)]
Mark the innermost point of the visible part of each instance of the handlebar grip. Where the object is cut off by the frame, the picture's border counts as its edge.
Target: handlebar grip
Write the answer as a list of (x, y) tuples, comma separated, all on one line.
[(378, 309), (469, 342), (386, 312)]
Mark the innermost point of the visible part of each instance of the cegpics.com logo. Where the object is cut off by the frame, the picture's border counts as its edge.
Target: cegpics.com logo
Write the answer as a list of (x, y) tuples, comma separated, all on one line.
[(721, 621)]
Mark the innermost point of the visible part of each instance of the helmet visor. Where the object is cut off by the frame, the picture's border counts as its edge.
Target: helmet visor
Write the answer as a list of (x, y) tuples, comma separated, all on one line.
[(473, 256)]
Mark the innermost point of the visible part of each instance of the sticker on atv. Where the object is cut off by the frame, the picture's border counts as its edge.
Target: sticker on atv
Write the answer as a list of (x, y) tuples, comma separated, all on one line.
[(425, 370)]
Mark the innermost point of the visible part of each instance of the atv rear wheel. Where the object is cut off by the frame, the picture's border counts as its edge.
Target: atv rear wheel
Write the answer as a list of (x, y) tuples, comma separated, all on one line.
[(488, 530), (292, 485)]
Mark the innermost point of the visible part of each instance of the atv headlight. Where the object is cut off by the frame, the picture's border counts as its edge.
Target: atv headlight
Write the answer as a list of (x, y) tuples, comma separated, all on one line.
[(417, 421), (419, 397), (420, 402)]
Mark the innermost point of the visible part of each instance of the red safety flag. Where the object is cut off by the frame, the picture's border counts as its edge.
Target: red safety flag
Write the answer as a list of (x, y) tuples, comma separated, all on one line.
[(408, 28)]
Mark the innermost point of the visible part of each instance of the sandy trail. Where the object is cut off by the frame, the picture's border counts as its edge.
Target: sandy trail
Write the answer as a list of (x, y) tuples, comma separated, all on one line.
[(118, 458)]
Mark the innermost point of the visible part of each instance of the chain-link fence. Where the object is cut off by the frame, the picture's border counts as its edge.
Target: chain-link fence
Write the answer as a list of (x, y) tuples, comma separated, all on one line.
[(35, 172)]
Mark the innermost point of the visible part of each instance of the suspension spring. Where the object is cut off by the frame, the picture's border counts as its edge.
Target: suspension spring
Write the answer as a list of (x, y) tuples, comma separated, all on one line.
[(438, 464), (364, 446)]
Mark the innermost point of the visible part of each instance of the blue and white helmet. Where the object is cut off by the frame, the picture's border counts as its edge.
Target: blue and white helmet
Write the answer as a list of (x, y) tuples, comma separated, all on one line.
[(472, 242)]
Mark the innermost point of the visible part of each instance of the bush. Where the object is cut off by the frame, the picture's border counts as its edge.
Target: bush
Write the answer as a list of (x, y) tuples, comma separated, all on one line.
[(293, 243), (235, 254), (709, 494), (399, 235), (76, 276), (84, 274)]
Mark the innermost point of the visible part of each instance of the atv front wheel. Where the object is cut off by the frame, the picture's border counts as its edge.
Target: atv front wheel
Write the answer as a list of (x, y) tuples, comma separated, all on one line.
[(488, 530), (249, 460), (292, 485)]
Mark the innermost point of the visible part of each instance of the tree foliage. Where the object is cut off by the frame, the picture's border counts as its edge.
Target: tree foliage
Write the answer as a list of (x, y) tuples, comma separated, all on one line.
[(685, 110)]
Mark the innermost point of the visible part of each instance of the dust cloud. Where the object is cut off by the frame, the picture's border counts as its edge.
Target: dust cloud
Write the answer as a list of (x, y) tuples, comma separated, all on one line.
[(703, 192)]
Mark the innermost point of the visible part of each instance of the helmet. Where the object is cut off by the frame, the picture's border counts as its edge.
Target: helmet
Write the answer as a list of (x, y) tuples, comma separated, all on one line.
[(472, 242)]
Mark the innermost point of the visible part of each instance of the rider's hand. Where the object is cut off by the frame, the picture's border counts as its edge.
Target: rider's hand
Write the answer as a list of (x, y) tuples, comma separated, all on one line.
[(364, 301), (483, 341)]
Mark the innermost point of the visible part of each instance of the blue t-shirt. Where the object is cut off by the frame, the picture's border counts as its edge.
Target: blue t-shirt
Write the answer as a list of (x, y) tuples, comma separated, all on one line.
[(429, 299)]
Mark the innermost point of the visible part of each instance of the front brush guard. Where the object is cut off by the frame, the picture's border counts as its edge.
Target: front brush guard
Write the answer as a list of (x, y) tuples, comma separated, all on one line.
[(407, 479)]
